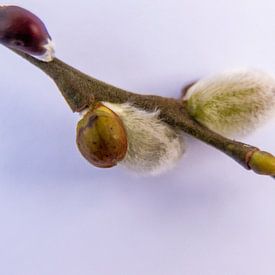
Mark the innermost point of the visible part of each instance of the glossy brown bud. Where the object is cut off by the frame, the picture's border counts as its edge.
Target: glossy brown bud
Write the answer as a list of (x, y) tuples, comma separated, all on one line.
[(22, 30), (101, 137)]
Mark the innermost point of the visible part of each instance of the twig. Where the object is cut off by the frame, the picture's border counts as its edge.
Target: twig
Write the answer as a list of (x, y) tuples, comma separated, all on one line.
[(80, 91)]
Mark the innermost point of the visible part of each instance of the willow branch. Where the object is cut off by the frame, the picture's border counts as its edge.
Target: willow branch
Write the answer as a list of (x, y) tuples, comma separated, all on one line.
[(80, 91)]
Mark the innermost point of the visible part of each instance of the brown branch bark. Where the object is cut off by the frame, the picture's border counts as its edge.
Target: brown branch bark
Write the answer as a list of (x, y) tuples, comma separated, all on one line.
[(81, 90)]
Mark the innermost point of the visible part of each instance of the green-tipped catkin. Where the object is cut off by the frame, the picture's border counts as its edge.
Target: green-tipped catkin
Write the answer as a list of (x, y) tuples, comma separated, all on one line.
[(233, 104), (153, 146)]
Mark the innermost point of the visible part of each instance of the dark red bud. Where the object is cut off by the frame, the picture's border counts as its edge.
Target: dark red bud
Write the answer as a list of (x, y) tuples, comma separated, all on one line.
[(22, 30)]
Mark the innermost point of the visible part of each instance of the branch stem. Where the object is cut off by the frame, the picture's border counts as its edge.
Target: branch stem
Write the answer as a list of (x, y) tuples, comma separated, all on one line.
[(81, 90)]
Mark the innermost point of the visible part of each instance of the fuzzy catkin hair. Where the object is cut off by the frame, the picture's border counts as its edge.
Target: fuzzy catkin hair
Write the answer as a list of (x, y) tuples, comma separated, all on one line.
[(234, 103), (153, 146)]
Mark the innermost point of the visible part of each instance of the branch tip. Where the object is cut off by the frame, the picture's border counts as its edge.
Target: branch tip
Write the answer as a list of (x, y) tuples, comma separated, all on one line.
[(262, 163)]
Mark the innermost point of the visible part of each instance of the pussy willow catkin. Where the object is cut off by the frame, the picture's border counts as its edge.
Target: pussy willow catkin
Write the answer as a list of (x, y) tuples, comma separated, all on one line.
[(234, 103)]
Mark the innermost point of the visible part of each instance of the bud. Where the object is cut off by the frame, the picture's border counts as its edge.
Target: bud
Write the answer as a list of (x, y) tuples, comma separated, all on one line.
[(262, 163), (232, 104), (101, 137), (153, 146), (23, 31)]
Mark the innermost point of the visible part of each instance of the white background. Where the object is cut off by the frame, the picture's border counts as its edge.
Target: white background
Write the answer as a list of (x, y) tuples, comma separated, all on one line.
[(59, 215)]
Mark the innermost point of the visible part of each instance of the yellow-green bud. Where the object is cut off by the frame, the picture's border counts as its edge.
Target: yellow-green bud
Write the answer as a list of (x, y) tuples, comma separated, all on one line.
[(262, 163), (101, 137)]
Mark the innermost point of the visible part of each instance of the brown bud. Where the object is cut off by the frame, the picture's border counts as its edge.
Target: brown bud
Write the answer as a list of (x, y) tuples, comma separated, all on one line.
[(22, 30), (101, 137)]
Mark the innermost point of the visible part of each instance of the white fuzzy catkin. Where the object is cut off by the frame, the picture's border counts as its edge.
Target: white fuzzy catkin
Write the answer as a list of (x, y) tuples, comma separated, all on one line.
[(234, 103), (153, 146)]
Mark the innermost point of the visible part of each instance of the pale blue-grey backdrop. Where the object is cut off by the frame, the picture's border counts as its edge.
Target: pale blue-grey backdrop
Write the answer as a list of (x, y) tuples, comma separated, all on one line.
[(59, 215)]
